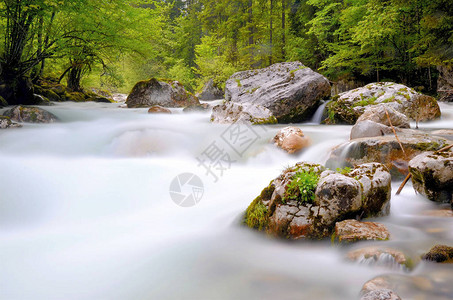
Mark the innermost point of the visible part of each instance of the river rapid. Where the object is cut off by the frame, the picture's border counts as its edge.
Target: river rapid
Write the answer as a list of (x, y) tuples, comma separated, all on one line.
[(86, 213)]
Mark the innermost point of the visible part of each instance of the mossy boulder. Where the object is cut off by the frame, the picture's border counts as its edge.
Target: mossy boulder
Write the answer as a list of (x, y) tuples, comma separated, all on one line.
[(386, 150), (311, 210), (347, 107), (290, 90), (432, 175), (164, 93), (440, 254), (30, 114)]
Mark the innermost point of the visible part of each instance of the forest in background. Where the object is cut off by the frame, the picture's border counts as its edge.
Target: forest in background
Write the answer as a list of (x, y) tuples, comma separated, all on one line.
[(113, 44)]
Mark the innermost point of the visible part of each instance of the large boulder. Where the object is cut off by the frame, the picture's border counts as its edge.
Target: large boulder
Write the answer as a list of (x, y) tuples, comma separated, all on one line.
[(30, 114), (377, 121), (291, 91), (210, 92), (231, 112), (349, 106), (154, 92), (432, 175), (445, 83), (306, 200), (5, 122), (386, 150), (291, 139)]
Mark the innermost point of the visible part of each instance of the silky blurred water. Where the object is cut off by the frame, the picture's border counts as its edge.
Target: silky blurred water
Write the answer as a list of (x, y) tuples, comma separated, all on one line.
[(85, 213)]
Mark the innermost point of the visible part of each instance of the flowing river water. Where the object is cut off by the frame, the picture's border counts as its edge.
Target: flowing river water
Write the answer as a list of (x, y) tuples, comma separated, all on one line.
[(86, 213)]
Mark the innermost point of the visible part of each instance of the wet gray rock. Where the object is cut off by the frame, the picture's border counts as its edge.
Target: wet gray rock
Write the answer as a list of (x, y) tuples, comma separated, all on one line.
[(231, 112), (381, 114), (365, 191), (210, 92), (385, 150), (154, 92), (349, 106), (432, 175), (30, 114), (291, 91), (369, 128), (5, 122), (375, 122)]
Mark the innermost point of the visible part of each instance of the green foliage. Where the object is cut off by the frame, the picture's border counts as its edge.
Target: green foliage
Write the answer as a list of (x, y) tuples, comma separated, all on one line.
[(116, 43), (302, 187), (365, 101), (256, 215), (344, 171)]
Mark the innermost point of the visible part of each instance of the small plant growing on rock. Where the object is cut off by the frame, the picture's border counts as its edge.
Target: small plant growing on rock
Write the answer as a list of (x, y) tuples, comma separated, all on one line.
[(302, 187), (344, 171)]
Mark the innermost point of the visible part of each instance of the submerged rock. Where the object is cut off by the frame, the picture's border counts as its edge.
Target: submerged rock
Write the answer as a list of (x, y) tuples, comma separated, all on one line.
[(353, 230), (306, 200), (231, 112), (377, 255), (351, 105), (440, 254), (196, 107), (291, 139), (30, 114), (210, 92), (432, 175), (156, 109), (291, 91), (386, 150), (378, 288), (5, 122), (154, 92)]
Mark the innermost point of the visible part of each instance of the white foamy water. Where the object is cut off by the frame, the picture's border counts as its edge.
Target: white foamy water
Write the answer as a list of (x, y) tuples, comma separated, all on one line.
[(85, 213)]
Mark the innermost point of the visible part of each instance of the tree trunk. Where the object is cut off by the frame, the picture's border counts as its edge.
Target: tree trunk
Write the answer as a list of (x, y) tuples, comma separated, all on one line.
[(74, 78), (250, 20), (270, 30), (283, 29)]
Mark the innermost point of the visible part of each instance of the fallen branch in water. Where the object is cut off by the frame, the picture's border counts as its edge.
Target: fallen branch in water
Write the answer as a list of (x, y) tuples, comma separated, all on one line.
[(446, 148), (394, 131)]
